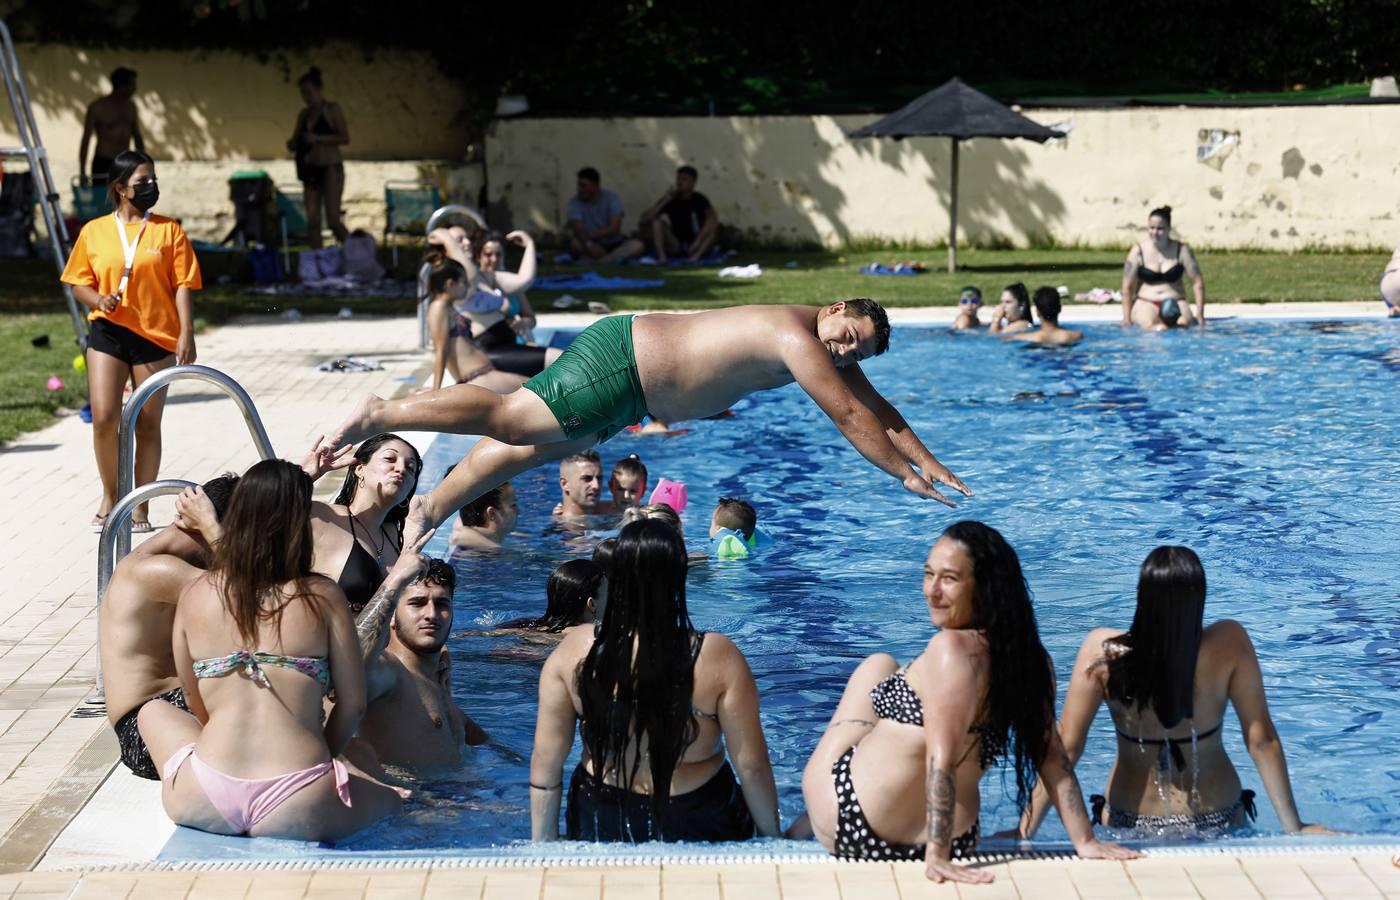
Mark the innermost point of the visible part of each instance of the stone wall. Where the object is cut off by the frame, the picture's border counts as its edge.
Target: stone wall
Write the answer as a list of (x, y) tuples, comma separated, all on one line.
[(1282, 178)]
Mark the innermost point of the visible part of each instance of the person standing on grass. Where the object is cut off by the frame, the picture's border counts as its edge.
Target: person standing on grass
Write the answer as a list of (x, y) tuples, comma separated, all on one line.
[(136, 273)]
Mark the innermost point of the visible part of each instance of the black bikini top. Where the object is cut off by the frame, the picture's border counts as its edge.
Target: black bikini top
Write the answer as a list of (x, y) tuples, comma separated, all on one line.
[(895, 700), (1169, 276), (1170, 747), (362, 575)]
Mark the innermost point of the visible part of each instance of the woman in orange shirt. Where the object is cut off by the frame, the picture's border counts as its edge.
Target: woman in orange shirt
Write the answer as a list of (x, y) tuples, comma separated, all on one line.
[(137, 273)]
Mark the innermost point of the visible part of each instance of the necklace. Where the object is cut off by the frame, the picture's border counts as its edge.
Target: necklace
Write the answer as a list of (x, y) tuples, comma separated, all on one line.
[(379, 548)]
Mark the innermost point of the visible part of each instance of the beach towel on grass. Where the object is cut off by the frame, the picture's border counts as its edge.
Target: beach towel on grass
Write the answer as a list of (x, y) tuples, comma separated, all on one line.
[(592, 281), (896, 269)]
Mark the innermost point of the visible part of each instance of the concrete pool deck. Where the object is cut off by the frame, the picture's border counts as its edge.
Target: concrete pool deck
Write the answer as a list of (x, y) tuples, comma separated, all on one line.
[(56, 750)]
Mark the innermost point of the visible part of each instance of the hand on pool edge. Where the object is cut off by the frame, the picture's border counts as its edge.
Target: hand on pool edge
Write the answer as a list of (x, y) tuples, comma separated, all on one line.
[(1097, 849), (940, 870)]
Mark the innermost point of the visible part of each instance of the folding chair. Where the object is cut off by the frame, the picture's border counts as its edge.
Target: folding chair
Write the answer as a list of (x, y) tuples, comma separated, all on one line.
[(89, 200), (291, 218), (407, 207)]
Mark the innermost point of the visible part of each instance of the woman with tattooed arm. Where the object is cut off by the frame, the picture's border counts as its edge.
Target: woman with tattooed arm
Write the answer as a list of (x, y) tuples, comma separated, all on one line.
[(983, 690)]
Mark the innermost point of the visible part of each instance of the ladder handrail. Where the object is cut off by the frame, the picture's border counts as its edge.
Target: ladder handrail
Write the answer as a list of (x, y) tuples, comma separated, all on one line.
[(126, 432), (39, 170), (106, 551)]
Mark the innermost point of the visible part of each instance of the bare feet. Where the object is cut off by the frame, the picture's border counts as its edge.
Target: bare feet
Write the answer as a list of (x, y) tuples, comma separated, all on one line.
[(419, 521), (357, 426)]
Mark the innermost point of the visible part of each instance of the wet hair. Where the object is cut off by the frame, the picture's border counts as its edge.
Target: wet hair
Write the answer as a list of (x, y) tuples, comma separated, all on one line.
[(122, 77), (688, 170), (312, 77), (439, 573), (474, 513), (124, 165), (570, 587), (1023, 300), (631, 464), (443, 272), (736, 514), (266, 544), (603, 555), (659, 511), (1162, 212), (1020, 700), (1047, 303), (876, 314), (1154, 662), (588, 173), (363, 453), (583, 456), (635, 684), (220, 491)]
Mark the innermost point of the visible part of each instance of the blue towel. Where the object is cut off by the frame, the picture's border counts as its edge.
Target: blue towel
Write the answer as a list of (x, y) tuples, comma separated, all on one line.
[(882, 269), (592, 281)]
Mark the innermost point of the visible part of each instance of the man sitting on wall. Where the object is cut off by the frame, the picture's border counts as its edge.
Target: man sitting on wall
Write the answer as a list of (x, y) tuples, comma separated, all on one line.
[(594, 222), (138, 615), (682, 222)]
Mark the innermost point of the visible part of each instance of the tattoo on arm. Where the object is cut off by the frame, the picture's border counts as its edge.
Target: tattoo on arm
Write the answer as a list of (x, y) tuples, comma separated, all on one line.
[(942, 801), (1075, 794), (372, 624)]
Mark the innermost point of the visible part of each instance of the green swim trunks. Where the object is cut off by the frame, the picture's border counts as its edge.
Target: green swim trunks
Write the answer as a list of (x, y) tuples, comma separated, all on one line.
[(593, 387)]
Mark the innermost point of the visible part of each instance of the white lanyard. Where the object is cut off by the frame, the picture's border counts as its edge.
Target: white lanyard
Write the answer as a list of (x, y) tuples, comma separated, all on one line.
[(129, 250)]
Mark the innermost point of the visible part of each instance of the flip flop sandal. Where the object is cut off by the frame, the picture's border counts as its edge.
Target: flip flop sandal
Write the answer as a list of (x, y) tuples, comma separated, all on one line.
[(140, 527), (98, 523)]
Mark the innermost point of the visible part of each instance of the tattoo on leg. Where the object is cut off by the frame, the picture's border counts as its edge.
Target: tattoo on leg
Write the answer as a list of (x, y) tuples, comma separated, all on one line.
[(866, 722), (941, 803)]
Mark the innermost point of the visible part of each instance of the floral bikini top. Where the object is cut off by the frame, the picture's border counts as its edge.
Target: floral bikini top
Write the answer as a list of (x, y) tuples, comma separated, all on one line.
[(251, 663)]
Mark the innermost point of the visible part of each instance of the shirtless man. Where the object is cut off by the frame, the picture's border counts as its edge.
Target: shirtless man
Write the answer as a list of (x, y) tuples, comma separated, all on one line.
[(485, 522), (1047, 305), (673, 366), (580, 486), (113, 119), (412, 721), (138, 614)]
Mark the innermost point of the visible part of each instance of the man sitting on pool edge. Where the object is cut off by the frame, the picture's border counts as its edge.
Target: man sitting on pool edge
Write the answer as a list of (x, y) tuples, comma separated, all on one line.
[(674, 367)]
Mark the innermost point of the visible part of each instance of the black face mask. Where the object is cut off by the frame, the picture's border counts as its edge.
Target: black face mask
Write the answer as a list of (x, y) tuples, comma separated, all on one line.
[(146, 195)]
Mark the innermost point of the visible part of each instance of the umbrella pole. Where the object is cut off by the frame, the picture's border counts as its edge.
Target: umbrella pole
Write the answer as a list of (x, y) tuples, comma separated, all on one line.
[(953, 214)]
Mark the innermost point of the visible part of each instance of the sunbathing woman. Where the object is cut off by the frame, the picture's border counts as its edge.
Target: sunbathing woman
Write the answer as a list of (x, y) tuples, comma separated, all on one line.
[(259, 642), (1154, 293), (1014, 313), (983, 690), (1167, 683), (659, 703), (454, 351)]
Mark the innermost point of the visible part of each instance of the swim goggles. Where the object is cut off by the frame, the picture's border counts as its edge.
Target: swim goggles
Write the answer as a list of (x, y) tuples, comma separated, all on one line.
[(970, 298)]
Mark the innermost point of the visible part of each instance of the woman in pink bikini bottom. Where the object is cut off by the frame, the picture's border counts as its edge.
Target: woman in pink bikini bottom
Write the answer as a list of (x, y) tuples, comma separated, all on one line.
[(259, 641)]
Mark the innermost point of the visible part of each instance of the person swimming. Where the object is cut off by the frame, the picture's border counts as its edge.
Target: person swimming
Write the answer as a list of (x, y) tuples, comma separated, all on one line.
[(969, 304), (571, 598), (1014, 313)]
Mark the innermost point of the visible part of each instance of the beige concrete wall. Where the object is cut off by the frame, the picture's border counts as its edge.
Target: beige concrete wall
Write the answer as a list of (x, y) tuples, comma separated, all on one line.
[(206, 114), (1323, 176)]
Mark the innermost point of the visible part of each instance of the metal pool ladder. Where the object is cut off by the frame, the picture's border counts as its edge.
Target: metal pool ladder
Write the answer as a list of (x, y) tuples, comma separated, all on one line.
[(115, 542), (442, 212), (32, 150)]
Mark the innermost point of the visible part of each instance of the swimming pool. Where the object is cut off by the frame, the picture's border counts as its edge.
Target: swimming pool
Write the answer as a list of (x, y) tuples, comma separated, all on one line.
[(1272, 448)]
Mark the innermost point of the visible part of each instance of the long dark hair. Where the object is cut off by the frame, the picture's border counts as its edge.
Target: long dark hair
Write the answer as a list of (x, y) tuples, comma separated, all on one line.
[(363, 453), (1023, 300), (570, 587), (1154, 662), (635, 684), (1020, 703), (119, 173), (266, 543)]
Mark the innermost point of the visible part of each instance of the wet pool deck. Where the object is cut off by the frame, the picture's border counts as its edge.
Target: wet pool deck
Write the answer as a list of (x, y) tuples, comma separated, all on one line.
[(55, 749)]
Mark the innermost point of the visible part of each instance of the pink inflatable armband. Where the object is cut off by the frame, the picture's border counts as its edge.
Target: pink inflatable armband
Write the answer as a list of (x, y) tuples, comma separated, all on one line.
[(671, 493)]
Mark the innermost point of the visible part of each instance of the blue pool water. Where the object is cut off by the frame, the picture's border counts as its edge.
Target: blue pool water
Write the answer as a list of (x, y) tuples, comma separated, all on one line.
[(1272, 449)]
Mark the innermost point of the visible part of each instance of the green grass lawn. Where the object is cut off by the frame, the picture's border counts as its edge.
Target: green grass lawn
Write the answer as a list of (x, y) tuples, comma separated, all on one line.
[(32, 304)]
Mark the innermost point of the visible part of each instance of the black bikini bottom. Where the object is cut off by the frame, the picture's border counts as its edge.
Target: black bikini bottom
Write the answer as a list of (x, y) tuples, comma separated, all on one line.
[(856, 839), (1216, 820), (715, 811), (499, 344)]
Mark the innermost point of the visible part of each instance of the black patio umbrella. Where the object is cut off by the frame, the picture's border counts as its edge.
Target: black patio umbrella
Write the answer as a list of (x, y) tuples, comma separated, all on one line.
[(959, 112)]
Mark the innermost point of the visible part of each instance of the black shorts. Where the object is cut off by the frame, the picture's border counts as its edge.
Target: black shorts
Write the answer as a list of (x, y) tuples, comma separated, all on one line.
[(123, 343), (101, 165), (135, 756)]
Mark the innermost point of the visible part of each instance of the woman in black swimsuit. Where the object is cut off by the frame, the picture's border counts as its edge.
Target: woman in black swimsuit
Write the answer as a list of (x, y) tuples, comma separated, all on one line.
[(657, 704), (895, 775), (1154, 291), (316, 140), (358, 536), (1167, 682)]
